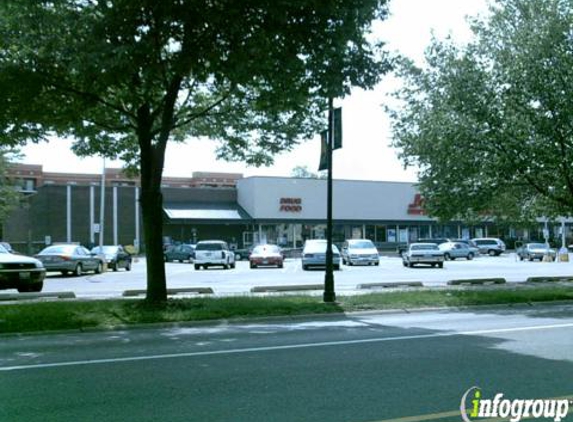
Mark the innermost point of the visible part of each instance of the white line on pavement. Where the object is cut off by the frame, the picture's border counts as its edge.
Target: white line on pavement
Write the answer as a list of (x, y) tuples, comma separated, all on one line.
[(285, 347)]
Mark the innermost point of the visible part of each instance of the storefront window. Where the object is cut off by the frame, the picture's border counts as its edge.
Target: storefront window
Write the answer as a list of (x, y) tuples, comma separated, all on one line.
[(371, 233), (381, 234)]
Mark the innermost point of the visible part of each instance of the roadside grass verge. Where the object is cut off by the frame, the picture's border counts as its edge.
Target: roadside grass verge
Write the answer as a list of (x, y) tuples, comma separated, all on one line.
[(109, 314)]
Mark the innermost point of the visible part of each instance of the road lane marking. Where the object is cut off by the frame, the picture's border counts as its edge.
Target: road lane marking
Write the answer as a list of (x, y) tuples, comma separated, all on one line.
[(442, 415), (284, 347)]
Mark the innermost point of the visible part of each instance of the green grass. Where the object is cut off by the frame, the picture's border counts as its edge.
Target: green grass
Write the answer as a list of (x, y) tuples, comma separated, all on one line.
[(107, 314)]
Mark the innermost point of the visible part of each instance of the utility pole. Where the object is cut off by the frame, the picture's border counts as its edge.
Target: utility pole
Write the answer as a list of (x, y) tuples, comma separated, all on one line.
[(329, 295)]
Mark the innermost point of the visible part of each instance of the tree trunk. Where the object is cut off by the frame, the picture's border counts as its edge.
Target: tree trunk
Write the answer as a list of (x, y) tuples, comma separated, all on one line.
[(152, 214), (151, 169)]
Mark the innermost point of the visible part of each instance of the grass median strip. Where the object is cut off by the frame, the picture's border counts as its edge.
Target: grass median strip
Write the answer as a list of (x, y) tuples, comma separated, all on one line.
[(102, 314)]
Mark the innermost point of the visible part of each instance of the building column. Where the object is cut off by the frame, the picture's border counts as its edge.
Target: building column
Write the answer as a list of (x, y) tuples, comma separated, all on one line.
[(92, 216), (115, 242), (68, 213), (137, 240)]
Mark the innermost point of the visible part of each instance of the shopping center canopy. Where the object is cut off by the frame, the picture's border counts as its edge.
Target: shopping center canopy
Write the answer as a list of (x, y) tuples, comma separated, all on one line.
[(207, 212)]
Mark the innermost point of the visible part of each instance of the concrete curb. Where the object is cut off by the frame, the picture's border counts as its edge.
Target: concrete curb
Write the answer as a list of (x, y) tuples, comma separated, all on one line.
[(31, 296), (555, 279), (171, 292), (398, 284), (286, 288), (476, 281)]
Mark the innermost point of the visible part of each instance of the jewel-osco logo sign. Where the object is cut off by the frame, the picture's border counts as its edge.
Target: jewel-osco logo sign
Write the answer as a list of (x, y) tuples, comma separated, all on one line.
[(475, 406)]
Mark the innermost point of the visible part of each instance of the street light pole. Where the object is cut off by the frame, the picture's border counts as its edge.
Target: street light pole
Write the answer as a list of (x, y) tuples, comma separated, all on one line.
[(329, 295)]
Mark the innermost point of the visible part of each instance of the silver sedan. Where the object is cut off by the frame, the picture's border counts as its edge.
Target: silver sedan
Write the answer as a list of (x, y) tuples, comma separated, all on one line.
[(70, 258)]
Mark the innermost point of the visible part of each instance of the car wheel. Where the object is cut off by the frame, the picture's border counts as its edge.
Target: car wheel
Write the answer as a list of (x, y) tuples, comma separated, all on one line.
[(305, 267), (36, 287), (128, 266), (114, 266), (492, 253), (441, 265), (65, 272), (252, 265), (447, 256), (99, 268), (78, 271), (521, 257), (530, 258), (404, 263), (233, 265), (281, 265), (197, 267), (377, 263), (411, 264), (337, 268), (470, 256)]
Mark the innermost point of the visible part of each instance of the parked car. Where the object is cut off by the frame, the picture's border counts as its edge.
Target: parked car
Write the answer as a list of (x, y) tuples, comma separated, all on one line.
[(489, 245), (531, 251), (454, 250), (244, 253), (183, 252), (423, 253), (359, 252), (314, 254), (20, 272), (70, 258), (437, 240), (7, 246), (468, 242), (264, 255), (115, 256), (209, 253)]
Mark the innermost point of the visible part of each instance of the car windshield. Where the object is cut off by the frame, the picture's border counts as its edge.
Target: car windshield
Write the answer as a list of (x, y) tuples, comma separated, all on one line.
[(3, 249), (364, 244), (537, 246), (209, 247), (429, 247), (106, 249), (59, 249)]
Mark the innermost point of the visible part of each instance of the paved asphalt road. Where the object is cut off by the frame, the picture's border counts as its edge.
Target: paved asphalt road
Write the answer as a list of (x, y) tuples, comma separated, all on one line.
[(369, 367), (241, 279)]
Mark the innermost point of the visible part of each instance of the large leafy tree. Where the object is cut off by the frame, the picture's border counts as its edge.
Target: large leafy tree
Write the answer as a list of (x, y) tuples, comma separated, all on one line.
[(124, 77), (490, 123)]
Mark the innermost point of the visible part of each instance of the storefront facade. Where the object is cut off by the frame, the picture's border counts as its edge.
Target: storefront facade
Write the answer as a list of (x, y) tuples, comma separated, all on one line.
[(285, 211)]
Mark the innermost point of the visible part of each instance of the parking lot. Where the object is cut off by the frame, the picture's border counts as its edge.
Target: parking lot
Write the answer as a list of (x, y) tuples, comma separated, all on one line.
[(241, 279)]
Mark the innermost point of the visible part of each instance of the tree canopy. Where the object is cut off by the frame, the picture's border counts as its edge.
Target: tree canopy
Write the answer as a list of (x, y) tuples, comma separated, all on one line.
[(124, 77), (303, 172), (9, 196), (489, 123)]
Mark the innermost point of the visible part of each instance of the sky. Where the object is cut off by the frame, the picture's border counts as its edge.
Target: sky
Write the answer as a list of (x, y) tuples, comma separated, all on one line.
[(366, 152)]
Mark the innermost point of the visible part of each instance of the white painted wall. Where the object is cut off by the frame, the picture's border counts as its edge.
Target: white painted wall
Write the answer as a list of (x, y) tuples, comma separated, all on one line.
[(352, 200)]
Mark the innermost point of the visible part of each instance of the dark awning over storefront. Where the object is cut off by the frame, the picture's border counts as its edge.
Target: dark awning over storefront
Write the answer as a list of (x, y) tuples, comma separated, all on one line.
[(207, 212)]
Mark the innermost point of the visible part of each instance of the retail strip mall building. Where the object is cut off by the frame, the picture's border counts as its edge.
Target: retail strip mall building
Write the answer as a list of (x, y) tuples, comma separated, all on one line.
[(243, 211)]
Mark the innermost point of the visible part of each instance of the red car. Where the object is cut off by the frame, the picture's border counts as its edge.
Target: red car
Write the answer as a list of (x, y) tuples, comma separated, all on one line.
[(266, 255)]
